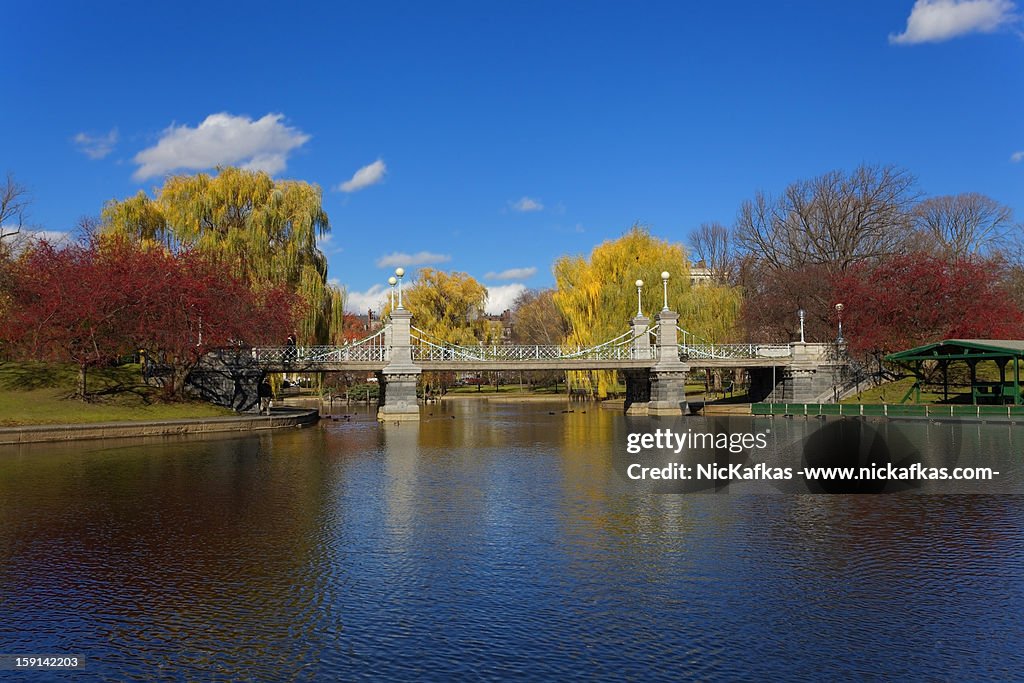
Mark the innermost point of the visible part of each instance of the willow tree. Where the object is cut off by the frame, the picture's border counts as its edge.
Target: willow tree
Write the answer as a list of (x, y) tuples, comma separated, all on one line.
[(598, 295), (712, 312), (447, 306), (261, 230)]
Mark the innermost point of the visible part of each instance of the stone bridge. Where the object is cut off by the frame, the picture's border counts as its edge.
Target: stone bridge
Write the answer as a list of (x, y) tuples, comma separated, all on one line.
[(654, 356)]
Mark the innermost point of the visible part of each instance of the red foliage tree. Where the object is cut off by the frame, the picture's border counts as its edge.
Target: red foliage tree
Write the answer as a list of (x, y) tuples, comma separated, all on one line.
[(91, 304), (353, 328), (62, 308), (191, 306), (914, 299)]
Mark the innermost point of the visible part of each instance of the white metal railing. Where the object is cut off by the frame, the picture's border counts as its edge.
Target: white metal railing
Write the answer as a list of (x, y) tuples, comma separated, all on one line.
[(733, 351), (426, 350), (692, 346), (423, 349), (312, 355), (369, 349), (427, 347)]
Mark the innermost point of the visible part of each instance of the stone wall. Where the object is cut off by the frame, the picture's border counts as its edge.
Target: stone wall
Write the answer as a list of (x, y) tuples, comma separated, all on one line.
[(227, 377)]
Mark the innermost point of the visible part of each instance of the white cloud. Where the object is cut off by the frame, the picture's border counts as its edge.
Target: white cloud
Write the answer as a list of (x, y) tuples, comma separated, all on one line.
[(96, 146), (502, 297), (932, 21), (220, 140), (371, 174), (526, 205), (18, 242), (418, 259), (512, 274), (1017, 157), (51, 236), (371, 299)]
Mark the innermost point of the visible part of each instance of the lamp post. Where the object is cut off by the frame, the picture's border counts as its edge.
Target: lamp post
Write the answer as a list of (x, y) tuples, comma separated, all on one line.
[(664, 282), (392, 281), (639, 308), (801, 314), (400, 272), (839, 314)]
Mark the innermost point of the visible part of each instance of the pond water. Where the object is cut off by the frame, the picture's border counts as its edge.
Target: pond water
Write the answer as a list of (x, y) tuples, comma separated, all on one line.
[(502, 541)]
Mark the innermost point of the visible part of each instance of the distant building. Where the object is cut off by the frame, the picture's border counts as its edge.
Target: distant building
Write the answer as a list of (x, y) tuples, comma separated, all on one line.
[(499, 327), (700, 274)]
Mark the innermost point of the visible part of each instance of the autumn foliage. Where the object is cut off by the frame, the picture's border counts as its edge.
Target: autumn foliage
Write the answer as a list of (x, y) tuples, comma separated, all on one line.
[(913, 299), (91, 304)]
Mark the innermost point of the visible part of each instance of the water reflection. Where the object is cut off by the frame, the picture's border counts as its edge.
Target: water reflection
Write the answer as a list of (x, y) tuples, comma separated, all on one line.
[(496, 541)]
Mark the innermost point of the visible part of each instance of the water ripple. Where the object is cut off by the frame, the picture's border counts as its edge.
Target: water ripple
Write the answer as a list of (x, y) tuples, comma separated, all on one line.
[(499, 545)]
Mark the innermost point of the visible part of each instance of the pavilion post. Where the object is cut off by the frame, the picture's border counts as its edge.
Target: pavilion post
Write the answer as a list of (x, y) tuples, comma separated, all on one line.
[(945, 380), (973, 365), (1016, 380), (1002, 377), (917, 384)]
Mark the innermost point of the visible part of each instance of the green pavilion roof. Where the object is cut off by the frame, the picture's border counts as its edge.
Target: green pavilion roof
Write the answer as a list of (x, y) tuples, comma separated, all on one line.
[(962, 349)]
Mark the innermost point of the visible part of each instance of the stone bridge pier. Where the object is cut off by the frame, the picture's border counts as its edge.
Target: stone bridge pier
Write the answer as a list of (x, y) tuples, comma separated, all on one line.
[(668, 376), (397, 381), (660, 390), (811, 376), (638, 380)]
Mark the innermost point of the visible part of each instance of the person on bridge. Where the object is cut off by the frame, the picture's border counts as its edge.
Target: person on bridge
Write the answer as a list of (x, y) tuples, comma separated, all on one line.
[(289, 354)]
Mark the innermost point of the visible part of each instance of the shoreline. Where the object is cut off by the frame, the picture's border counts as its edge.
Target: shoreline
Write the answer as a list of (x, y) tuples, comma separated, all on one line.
[(55, 433)]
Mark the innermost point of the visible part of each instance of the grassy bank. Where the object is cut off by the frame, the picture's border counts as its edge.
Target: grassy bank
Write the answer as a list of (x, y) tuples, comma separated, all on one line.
[(931, 392), (892, 392), (37, 393)]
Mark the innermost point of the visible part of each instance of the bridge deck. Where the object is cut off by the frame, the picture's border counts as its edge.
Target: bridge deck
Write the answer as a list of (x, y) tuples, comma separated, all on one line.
[(524, 365)]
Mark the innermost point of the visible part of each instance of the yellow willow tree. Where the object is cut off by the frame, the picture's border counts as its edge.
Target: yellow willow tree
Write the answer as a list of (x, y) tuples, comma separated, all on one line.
[(711, 312), (448, 306), (261, 230), (597, 296)]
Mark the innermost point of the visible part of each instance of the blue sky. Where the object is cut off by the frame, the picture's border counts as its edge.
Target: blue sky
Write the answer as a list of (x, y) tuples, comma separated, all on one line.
[(494, 137)]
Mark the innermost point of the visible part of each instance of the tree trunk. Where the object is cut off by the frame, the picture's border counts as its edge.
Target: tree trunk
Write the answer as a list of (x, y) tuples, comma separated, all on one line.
[(81, 381)]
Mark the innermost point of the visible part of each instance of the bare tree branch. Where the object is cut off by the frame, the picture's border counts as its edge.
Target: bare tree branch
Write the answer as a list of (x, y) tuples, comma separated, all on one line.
[(712, 244), (964, 225), (14, 201), (833, 220), (536, 319)]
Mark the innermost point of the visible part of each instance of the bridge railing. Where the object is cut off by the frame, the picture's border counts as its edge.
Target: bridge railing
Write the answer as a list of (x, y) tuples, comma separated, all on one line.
[(692, 346), (367, 350), (428, 351), (426, 347), (733, 351), (314, 355)]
